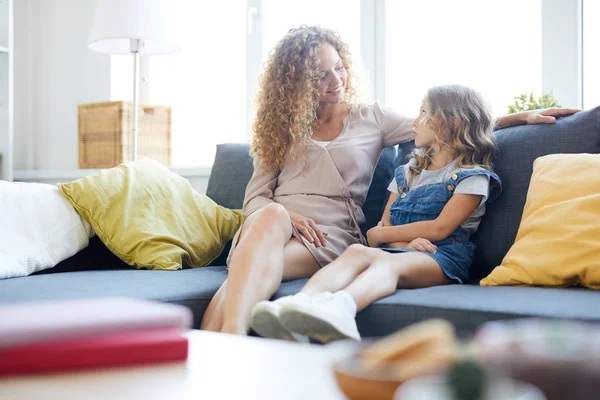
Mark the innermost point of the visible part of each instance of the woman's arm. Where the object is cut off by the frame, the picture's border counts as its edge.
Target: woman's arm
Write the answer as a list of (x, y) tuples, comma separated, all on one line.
[(261, 186), (395, 128), (456, 211), (545, 116)]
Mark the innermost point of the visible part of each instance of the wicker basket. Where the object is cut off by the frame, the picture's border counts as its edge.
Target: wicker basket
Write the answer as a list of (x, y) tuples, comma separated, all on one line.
[(105, 134)]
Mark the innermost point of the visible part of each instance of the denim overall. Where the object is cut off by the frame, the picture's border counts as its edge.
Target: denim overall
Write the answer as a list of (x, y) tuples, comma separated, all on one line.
[(425, 203)]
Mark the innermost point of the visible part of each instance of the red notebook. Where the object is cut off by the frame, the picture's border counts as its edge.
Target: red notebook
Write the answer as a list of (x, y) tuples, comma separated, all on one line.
[(104, 350), (34, 322)]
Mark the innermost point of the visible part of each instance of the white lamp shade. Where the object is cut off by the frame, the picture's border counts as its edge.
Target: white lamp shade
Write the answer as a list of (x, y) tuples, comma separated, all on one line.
[(116, 22)]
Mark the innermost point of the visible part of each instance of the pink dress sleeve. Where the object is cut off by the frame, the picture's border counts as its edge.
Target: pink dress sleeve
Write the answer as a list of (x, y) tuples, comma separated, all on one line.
[(394, 127), (259, 191)]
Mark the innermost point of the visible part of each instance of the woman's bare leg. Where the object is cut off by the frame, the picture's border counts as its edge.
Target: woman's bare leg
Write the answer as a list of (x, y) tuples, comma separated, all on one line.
[(264, 256), (213, 316), (343, 270), (298, 264), (391, 271)]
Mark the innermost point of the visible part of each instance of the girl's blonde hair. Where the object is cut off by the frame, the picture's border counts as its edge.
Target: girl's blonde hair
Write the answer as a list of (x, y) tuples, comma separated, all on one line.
[(462, 120), (288, 100)]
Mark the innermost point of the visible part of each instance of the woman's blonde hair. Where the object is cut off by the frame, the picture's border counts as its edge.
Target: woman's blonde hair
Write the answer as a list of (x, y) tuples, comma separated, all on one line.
[(461, 120), (287, 99)]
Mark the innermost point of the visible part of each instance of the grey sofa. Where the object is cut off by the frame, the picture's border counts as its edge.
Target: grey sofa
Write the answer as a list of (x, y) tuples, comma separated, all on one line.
[(96, 272)]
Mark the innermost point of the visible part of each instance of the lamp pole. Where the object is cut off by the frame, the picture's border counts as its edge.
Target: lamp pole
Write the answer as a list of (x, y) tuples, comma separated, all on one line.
[(136, 45)]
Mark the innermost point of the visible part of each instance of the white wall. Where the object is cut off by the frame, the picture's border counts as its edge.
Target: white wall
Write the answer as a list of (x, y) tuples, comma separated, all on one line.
[(54, 71)]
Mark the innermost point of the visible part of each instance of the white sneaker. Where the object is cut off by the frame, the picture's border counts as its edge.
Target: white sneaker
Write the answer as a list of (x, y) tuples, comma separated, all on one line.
[(265, 318), (325, 318)]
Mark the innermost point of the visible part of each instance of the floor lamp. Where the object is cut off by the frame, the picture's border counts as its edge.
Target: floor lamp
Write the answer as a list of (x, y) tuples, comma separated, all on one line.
[(137, 27)]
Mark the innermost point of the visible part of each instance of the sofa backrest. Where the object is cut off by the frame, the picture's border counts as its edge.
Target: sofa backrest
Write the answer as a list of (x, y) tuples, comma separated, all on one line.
[(518, 147), (230, 174)]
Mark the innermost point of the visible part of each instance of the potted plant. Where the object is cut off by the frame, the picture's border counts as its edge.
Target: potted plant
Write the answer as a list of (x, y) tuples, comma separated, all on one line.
[(527, 102)]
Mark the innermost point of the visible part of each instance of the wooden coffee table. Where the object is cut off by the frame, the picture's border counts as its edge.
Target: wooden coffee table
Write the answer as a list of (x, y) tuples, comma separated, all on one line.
[(219, 366)]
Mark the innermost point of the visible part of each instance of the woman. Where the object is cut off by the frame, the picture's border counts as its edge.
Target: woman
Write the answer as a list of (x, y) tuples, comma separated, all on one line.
[(315, 150)]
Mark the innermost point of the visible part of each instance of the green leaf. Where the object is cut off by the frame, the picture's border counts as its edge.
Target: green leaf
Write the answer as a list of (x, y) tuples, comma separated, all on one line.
[(526, 102)]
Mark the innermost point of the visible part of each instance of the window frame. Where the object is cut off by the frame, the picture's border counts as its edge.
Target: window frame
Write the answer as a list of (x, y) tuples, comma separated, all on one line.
[(560, 36)]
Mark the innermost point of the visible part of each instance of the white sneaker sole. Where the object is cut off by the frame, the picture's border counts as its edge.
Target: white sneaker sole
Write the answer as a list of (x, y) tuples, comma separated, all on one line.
[(265, 322), (303, 321)]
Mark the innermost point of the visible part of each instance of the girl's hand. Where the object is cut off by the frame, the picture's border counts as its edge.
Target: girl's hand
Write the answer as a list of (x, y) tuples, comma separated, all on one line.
[(547, 115), (308, 229), (424, 245)]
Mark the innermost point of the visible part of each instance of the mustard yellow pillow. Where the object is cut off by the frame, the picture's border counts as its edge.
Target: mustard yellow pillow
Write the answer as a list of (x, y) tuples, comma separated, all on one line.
[(558, 243), (151, 217)]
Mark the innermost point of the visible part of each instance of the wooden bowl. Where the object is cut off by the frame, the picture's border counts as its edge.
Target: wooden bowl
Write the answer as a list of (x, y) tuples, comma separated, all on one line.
[(358, 381)]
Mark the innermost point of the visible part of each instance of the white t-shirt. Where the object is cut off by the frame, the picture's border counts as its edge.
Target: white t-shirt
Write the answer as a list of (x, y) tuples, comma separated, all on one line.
[(321, 142), (476, 185)]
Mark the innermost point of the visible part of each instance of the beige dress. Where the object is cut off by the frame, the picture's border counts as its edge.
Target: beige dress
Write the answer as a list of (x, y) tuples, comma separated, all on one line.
[(332, 187)]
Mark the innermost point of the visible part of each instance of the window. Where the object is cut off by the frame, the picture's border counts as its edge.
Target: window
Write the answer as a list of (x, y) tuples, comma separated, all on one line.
[(482, 44), (211, 83), (591, 53), (342, 16), (205, 82)]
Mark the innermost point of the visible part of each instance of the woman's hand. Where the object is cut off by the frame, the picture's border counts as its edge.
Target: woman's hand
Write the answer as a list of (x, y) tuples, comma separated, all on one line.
[(543, 116), (308, 229), (547, 115), (374, 236), (383, 222), (424, 245)]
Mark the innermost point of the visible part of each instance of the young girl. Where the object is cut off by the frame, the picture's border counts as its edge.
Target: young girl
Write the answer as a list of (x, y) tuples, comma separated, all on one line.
[(436, 203)]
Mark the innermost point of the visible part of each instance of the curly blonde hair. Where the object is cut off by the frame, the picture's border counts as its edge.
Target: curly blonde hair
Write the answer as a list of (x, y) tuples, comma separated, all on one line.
[(288, 100), (461, 120)]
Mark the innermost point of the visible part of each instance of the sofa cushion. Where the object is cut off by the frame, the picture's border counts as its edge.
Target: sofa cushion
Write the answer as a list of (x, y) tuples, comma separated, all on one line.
[(558, 243), (466, 306), (469, 306), (151, 217), (230, 174), (518, 147), (191, 287), (38, 228)]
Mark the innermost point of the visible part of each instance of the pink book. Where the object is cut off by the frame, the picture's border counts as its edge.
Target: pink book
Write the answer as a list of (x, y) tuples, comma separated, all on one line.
[(106, 350), (45, 321)]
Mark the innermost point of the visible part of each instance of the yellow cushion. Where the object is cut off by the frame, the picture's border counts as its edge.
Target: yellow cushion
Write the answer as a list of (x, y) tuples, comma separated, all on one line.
[(151, 217), (558, 243)]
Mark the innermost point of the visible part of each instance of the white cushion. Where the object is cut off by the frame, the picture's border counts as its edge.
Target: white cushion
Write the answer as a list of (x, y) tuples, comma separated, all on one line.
[(38, 228)]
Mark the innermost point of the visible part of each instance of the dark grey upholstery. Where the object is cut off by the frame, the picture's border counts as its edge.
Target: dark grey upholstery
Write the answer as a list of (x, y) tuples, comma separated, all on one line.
[(190, 287), (518, 147), (230, 174), (467, 306), (96, 272), (378, 194)]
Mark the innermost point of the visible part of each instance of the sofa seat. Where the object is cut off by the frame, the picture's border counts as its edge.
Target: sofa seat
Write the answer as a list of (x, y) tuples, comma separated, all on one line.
[(466, 306)]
